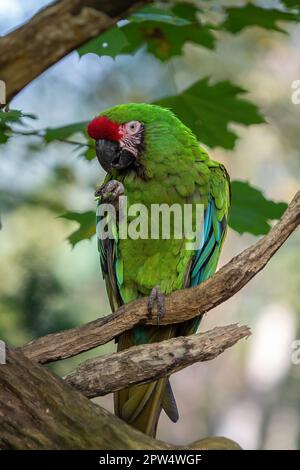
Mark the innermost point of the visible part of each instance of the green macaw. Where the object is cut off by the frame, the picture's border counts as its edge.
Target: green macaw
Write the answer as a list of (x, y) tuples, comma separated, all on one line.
[(153, 158)]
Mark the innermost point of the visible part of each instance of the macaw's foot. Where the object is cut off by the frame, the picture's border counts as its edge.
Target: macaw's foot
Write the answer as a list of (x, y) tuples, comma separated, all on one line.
[(156, 296), (110, 192)]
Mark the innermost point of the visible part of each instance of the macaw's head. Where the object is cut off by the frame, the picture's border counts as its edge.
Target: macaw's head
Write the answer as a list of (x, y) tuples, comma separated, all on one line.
[(135, 137)]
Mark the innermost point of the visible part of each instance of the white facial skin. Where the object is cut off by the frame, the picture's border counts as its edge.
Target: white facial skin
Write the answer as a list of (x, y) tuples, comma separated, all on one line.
[(131, 136)]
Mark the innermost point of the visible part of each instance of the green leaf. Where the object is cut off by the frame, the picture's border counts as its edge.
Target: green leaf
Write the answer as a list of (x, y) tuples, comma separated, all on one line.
[(291, 3), (163, 32), (208, 109), (111, 43), (251, 15), (87, 228), (158, 14), (89, 153), (65, 132), (14, 115), (10, 117), (3, 137), (166, 41), (250, 211), (61, 133), (188, 11)]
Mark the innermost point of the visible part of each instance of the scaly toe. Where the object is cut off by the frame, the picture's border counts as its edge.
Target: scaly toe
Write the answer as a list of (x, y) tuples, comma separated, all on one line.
[(156, 296)]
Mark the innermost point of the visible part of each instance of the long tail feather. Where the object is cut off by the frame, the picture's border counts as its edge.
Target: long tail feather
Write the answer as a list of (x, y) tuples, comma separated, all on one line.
[(169, 403), (141, 405)]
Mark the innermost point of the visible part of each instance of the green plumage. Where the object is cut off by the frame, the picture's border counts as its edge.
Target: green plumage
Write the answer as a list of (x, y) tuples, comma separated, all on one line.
[(177, 170)]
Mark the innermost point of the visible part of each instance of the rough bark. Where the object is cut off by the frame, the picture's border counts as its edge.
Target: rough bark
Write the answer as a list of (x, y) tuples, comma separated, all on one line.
[(54, 32), (180, 305), (39, 411), (148, 362)]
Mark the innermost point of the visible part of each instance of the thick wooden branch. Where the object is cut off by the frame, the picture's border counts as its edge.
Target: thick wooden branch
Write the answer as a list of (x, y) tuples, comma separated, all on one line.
[(181, 305), (54, 32), (39, 411), (148, 362)]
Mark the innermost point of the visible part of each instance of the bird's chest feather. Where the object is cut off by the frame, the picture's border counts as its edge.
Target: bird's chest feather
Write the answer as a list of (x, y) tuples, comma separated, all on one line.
[(148, 258)]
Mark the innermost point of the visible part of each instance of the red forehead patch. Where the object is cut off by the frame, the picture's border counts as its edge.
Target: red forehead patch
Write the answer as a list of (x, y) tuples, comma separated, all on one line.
[(103, 128)]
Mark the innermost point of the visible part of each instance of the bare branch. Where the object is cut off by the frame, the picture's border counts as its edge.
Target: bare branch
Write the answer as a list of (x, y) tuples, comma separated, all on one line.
[(39, 411), (148, 362), (54, 32), (180, 305)]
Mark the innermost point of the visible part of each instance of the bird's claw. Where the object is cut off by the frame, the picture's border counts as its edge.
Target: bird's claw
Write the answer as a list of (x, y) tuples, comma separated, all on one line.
[(110, 192), (156, 296)]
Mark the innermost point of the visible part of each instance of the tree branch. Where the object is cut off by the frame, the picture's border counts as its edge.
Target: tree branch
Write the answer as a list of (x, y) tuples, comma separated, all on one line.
[(54, 32), (180, 305), (39, 411), (149, 362)]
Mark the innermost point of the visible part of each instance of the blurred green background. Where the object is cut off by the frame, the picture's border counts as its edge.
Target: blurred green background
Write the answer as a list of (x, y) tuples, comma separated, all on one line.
[(251, 392)]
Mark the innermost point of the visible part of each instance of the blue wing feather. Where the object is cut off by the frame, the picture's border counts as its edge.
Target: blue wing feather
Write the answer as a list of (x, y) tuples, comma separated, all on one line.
[(206, 257), (210, 248)]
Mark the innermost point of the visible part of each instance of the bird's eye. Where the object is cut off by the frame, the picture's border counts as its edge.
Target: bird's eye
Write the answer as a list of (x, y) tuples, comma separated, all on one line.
[(133, 126)]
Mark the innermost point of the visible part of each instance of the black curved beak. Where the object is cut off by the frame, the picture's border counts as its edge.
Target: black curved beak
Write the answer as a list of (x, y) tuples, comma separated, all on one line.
[(110, 156)]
